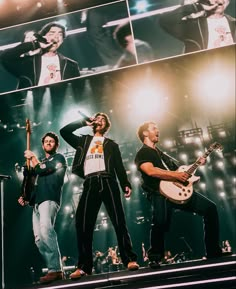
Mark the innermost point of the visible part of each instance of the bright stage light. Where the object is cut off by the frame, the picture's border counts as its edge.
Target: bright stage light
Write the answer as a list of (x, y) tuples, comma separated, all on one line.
[(198, 153), (183, 157), (136, 180), (67, 209), (141, 6), (133, 167), (148, 100), (72, 177), (222, 194), (168, 143), (75, 189), (220, 164), (202, 185), (214, 88), (39, 4), (219, 183)]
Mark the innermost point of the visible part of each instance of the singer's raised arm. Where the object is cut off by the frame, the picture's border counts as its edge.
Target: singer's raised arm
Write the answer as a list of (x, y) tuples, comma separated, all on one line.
[(67, 132)]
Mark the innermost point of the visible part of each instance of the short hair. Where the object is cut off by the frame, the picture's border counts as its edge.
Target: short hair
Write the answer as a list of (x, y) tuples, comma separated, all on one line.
[(108, 122), (45, 29), (142, 128), (121, 32), (52, 135)]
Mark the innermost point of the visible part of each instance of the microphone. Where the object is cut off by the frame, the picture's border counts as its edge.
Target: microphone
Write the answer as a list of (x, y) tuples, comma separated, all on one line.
[(194, 15), (40, 38), (85, 117)]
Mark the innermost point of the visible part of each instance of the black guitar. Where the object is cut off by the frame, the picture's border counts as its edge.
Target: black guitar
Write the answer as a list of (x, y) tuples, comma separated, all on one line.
[(29, 173)]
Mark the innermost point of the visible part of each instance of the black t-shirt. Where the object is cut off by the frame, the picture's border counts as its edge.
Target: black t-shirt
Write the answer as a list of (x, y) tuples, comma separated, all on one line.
[(147, 154)]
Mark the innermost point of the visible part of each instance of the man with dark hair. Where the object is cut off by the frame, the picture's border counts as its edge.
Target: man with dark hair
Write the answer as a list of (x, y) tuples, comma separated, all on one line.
[(201, 24), (98, 161), (47, 66), (46, 199), (156, 166)]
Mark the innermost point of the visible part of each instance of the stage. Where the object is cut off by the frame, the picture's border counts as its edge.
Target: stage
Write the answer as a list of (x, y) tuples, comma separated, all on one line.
[(218, 274)]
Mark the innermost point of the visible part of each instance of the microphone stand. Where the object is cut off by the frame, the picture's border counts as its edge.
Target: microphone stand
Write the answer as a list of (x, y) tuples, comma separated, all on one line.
[(2, 178), (190, 250)]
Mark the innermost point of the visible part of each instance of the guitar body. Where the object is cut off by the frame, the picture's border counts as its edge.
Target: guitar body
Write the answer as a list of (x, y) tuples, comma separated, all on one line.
[(177, 192), (28, 184), (180, 193)]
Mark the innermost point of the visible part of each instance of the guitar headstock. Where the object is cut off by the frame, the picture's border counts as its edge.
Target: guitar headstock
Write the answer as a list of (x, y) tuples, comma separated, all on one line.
[(28, 126), (216, 146)]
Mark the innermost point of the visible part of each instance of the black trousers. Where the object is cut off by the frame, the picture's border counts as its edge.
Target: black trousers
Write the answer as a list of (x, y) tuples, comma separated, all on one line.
[(98, 189), (162, 210)]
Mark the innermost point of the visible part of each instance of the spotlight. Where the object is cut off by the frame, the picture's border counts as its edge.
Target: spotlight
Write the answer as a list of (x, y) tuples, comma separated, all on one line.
[(202, 185), (222, 194), (220, 183), (141, 6), (220, 164), (133, 167), (136, 180), (168, 143), (75, 189), (39, 4), (67, 208)]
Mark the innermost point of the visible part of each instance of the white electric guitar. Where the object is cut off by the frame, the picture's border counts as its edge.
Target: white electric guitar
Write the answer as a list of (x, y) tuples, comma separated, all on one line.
[(178, 192)]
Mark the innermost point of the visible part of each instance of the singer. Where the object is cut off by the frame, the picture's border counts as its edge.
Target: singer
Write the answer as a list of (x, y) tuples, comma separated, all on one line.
[(98, 161), (201, 25), (44, 67)]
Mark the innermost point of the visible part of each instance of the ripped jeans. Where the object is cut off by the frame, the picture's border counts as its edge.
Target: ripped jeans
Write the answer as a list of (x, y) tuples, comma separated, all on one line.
[(44, 217)]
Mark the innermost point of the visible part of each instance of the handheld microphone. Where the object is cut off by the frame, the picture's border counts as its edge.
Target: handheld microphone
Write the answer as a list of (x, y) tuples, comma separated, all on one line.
[(85, 117), (40, 38), (195, 15)]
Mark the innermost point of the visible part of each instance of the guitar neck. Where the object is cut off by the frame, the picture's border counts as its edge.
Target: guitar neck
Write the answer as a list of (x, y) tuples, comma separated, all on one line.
[(28, 148), (194, 166)]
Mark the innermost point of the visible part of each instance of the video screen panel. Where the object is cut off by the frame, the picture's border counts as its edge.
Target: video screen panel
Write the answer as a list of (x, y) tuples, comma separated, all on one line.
[(172, 28), (93, 42)]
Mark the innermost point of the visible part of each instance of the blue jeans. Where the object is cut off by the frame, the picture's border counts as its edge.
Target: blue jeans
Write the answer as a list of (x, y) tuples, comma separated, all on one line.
[(44, 217)]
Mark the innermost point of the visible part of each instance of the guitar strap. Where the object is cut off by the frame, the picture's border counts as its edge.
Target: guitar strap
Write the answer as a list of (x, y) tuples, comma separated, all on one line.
[(164, 164), (162, 160)]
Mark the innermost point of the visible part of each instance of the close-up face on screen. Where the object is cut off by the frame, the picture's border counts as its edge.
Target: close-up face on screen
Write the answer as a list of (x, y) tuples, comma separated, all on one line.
[(117, 128), (85, 41)]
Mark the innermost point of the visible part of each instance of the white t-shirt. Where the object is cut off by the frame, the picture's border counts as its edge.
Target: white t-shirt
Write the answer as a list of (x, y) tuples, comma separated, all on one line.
[(94, 160), (219, 32), (50, 70)]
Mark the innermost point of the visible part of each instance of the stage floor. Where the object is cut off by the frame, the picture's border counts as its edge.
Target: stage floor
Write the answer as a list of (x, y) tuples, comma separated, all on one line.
[(195, 274)]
